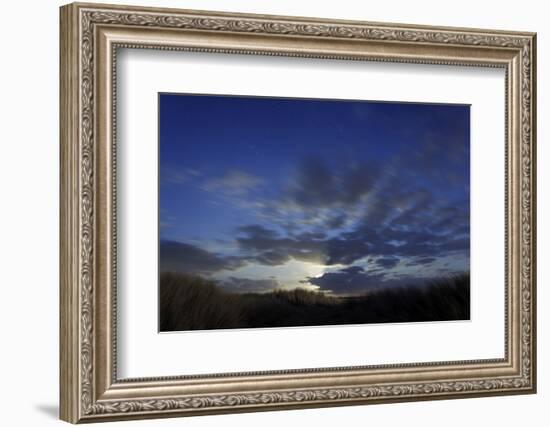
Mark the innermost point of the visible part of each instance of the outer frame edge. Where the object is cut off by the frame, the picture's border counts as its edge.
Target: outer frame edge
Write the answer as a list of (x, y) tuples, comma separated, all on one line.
[(68, 226)]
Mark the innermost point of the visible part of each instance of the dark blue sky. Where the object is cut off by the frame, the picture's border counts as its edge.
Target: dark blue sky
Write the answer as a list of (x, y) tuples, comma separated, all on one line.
[(342, 196)]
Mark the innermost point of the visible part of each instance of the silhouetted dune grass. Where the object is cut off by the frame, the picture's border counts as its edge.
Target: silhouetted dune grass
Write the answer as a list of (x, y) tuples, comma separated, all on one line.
[(192, 303), (444, 299), (301, 296)]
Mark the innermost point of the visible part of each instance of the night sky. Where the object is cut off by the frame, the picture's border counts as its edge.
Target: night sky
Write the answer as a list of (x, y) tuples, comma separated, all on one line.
[(340, 196)]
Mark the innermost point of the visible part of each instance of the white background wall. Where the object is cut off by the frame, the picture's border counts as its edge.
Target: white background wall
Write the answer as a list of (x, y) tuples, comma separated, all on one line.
[(29, 170)]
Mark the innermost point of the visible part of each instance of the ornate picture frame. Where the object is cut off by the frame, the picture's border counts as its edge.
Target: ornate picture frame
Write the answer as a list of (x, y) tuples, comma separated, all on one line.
[(90, 37)]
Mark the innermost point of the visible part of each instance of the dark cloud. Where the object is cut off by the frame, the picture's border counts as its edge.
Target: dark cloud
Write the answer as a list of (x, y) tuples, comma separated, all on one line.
[(342, 282), (391, 242), (420, 261), (462, 244), (354, 269), (309, 236), (336, 221), (387, 262), (441, 160), (404, 210), (316, 185), (385, 242), (453, 218), (357, 280), (273, 258), (258, 231), (187, 258), (266, 247), (347, 250)]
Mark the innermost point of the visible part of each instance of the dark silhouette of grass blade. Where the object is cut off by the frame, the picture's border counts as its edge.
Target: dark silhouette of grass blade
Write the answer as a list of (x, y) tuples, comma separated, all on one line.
[(189, 302)]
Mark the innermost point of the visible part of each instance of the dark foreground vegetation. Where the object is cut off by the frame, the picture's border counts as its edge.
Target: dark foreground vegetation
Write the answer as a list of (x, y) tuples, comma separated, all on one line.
[(193, 303)]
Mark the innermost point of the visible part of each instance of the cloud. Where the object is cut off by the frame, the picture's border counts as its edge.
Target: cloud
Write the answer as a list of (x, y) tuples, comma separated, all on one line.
[(347, 250), (353, 270), (258, 231), (316, 185), (386, 242), (357, 280), (178, 176), (348, 281), (420, 261), (268, 248), (410, 192), (187, 258), (336, 221), (381, 242), (340, 214), (387, 262), (320, 195), (273, 258), (232, 183)]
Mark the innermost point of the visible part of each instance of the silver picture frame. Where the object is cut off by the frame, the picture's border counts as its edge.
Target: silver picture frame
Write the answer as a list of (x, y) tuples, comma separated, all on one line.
[(90, 37)]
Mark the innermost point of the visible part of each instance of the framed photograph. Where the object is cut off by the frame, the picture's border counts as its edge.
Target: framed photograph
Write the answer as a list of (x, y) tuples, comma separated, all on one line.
[(266, 212)]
